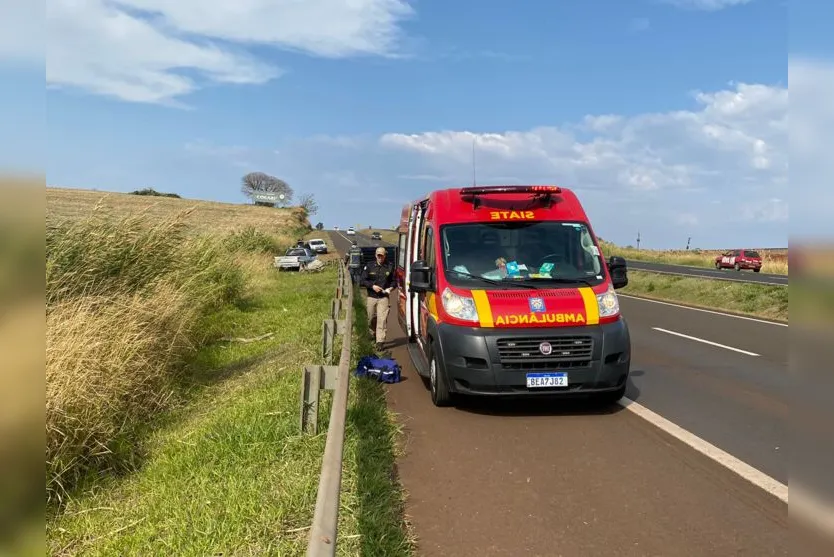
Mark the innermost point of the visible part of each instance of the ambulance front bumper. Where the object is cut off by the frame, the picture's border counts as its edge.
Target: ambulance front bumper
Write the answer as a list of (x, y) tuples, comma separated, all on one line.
[(515, 362)]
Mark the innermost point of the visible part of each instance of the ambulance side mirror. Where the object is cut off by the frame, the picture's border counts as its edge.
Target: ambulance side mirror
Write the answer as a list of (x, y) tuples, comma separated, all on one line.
[(619, 271), (420, 276)]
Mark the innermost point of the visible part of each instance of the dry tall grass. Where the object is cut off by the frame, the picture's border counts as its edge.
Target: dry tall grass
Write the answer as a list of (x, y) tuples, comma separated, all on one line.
[(126, 295)]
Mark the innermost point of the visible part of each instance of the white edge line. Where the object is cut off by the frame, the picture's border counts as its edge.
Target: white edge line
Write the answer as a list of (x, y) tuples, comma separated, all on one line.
[(709, 277), (696, 339), (747, 472), (703, 310)]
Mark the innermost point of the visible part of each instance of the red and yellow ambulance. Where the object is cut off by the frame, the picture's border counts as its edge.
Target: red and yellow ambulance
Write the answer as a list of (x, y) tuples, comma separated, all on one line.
[(504, 291)]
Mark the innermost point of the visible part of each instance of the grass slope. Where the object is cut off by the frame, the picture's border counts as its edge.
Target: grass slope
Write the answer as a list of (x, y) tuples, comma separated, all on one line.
[(230, 473), (769, 302)]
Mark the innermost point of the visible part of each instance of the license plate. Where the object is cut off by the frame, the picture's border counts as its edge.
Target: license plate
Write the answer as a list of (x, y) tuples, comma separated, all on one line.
[(539, 380)]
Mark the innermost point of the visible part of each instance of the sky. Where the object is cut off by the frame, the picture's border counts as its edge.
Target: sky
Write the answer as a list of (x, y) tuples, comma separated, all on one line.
[(667, 117)]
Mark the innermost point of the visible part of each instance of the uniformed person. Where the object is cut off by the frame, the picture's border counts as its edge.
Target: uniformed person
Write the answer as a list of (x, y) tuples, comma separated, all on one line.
[(353, 259), (378, 280)]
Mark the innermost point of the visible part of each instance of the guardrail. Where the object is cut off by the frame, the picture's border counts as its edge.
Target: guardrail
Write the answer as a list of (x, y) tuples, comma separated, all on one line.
[(322, 540)]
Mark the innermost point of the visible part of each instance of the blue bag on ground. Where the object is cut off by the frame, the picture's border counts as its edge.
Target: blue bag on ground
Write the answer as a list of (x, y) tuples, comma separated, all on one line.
[(381, 369)]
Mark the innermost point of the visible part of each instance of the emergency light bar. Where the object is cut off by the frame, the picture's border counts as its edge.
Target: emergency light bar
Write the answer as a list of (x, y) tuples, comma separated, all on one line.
[(542, 193), (481, 190)]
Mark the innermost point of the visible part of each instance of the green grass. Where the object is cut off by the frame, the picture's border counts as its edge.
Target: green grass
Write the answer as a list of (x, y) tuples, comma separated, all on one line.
[(230, 473), (770, 302), (376, 505)]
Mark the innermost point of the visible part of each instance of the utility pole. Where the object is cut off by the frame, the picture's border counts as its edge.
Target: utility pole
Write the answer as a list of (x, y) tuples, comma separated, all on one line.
[(687, 242), (638, 239)]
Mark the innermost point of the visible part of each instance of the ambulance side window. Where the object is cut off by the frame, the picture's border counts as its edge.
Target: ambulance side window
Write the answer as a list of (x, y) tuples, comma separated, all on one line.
[(401, 258), (429, 248)]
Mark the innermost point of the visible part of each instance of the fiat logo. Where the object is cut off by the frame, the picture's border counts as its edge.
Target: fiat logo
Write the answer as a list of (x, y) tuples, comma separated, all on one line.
[(545, 348)]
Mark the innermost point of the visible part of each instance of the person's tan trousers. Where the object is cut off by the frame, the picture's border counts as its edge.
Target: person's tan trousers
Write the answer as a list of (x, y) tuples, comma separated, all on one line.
[(378, 309)]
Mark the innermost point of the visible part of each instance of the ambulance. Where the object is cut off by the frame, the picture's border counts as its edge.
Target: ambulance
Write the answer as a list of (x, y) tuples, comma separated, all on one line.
[(504, 291)]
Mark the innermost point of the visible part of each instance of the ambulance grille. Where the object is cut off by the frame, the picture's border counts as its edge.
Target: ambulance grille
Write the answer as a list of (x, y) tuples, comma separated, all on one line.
[(523, 353)]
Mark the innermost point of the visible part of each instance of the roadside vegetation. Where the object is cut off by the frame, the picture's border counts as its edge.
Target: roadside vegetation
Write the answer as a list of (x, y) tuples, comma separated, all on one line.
[(374, 512), (760, 300), (173, 380), (773, 261), (129, 299)]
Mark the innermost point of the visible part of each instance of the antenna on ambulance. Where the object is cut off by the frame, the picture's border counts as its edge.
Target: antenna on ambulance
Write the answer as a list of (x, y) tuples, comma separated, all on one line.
[(473, 161)]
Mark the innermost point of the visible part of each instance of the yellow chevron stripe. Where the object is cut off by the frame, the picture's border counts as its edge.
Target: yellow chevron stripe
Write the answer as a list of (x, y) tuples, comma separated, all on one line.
[(431, 304), (483, 307), (591, 306)]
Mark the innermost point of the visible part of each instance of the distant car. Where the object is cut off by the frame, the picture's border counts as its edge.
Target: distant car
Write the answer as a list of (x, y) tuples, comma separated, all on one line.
[(335, 228), (317, 245), (376, 236), (351, 231), (739, 259), (295, 259)]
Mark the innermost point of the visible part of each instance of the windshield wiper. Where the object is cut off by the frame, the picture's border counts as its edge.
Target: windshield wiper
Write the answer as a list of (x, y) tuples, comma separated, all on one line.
[(495, 282), (561, 280)]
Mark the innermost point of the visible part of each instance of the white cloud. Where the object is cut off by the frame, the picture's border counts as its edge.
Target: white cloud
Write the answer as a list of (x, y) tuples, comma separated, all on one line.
[(739, 133), (717, 171), (662, 167), (706, 5), (151, 50)]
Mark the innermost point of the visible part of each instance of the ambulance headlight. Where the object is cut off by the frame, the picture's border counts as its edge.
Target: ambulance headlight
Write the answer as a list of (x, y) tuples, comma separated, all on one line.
[(609, 304), (459, 307)]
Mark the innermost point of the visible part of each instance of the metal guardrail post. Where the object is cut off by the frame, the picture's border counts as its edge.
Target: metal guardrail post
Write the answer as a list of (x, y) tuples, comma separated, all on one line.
[(322, 540)]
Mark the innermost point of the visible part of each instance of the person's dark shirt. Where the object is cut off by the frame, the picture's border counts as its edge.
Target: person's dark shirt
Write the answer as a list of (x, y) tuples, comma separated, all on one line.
[(378, 274)]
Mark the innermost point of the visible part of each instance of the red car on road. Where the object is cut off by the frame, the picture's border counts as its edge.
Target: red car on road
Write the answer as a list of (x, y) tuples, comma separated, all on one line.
[(739, 259)]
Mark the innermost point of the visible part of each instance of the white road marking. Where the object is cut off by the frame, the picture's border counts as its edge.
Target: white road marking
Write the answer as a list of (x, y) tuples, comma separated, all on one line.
[(703, 310), (709, 450), (705, 341)]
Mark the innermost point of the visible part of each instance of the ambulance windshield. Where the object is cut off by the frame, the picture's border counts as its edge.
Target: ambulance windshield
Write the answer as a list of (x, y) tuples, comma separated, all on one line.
[(551, 252)]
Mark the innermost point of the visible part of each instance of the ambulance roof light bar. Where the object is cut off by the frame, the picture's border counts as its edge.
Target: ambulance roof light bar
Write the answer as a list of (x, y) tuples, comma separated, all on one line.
[(542, 192), (481, 190)]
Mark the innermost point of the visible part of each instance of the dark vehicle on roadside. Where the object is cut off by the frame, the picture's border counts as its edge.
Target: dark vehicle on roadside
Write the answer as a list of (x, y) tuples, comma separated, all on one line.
[(376, 236)]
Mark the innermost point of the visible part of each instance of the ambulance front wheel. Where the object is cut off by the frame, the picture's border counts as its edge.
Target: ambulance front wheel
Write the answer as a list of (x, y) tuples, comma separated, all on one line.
[(439, 388)]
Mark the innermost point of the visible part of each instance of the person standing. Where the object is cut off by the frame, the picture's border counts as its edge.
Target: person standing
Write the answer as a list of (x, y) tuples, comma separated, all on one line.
[(378, 279), (353, 259)]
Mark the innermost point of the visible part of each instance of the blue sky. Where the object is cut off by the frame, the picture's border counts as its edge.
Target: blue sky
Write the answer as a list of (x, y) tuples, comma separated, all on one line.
[(667, 116)]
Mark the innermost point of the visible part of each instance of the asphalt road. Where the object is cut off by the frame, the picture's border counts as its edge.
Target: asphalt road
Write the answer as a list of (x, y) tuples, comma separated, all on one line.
[(701, 272), (555, 479)]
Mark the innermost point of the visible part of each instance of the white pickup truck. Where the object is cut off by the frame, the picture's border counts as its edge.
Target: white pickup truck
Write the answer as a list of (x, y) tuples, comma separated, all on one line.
[(295, 259)]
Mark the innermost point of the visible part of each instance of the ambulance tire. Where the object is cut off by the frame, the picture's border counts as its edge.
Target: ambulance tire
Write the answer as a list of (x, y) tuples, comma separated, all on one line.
[(438, 386)]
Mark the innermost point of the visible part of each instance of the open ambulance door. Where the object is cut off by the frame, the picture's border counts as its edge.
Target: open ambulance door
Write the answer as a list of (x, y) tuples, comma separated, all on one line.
[(415, 240)]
